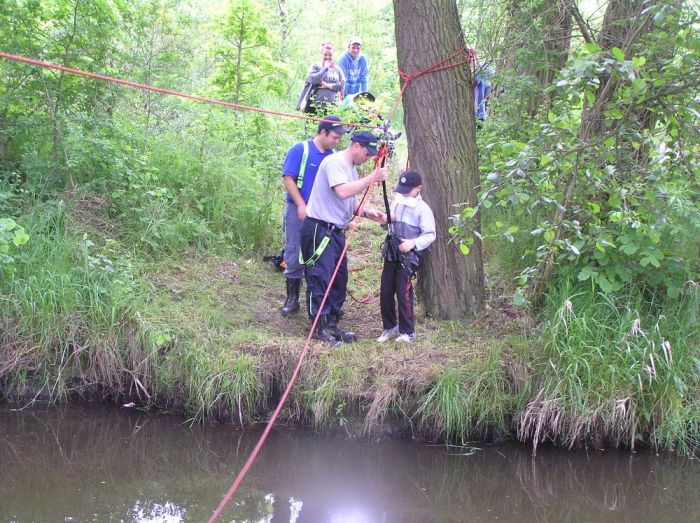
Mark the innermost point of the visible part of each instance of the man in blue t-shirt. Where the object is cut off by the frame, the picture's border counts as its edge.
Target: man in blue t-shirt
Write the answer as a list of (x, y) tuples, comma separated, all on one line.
[(298, 174), (354, 65)]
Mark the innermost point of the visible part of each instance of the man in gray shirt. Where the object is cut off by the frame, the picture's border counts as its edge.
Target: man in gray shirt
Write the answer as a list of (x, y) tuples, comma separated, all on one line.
[(329, 212)]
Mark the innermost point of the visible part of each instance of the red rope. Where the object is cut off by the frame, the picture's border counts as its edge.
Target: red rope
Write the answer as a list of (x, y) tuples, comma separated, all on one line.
[(170, 92), (442, 65), (283, 398)]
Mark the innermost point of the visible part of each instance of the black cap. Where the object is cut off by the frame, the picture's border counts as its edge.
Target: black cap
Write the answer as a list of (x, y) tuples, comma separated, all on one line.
[(366, 139), (408, 180), (332, 123)]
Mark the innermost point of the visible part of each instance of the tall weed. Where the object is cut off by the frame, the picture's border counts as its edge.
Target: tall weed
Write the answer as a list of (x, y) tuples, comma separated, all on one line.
[(623, 368)]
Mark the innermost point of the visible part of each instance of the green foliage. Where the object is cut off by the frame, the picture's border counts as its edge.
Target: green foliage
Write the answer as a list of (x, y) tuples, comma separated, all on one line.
[(618, 367), (608, 184), (248, 69), (12, 235)]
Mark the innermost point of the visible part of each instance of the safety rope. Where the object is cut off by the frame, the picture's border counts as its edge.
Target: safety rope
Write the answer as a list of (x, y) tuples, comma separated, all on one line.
[(170, 92), (442, 65)]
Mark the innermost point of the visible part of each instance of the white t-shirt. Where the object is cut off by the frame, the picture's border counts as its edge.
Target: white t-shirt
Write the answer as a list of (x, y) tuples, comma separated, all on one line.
[(324, 204)]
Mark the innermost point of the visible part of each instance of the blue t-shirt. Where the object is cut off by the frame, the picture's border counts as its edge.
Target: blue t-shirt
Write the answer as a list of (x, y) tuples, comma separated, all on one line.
[(292, 162)]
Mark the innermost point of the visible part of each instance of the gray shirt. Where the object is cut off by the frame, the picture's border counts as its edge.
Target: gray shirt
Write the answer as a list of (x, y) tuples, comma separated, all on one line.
[(324, 204), (333, 76)]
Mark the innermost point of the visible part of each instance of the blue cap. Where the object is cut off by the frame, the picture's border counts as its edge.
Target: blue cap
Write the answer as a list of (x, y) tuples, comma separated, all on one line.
[(408, 180), (366, 139), (332, 123)]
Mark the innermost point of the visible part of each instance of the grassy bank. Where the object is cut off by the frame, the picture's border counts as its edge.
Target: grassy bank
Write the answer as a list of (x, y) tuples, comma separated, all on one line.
[(199, 332)]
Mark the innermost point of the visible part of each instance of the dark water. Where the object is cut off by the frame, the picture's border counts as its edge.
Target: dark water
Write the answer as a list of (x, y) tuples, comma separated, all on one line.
[(93, 463)]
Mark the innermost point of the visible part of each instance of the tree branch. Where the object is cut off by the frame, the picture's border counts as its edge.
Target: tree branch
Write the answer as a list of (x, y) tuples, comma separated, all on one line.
[(582, 25)]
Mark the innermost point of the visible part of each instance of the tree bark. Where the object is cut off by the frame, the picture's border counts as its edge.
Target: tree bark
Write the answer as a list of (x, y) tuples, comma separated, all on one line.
[(544, 28), (439, 122)]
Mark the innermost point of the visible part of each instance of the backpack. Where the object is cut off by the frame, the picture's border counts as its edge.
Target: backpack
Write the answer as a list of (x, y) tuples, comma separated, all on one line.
[(306, 98)]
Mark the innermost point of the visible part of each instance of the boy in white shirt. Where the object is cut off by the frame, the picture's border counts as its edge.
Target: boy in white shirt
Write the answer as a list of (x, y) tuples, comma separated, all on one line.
[(411, 231)]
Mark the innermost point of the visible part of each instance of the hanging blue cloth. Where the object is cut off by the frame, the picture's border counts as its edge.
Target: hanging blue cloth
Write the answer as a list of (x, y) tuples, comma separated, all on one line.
[(482, 92)]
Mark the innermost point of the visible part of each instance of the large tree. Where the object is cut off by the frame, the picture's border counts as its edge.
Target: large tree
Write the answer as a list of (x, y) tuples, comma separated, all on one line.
[(439, 121)]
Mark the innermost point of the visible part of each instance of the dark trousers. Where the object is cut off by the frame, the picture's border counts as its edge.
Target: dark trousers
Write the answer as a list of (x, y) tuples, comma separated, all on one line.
[(318, 275), (396, 287)]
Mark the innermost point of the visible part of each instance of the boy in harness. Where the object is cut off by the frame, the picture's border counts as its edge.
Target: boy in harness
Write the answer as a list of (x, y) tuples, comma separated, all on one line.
[(411, 230)]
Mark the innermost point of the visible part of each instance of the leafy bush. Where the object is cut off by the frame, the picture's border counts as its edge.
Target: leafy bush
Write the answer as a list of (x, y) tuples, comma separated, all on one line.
[(605, 187)]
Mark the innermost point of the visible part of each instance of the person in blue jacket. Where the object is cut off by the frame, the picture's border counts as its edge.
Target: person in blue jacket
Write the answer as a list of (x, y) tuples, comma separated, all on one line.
[(482, 94), (354, 65)]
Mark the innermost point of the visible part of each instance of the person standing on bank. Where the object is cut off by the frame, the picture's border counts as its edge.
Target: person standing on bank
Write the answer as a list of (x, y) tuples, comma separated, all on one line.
[(354, 65), (327, 80), (298, 174), (330, 209), (411, 231)]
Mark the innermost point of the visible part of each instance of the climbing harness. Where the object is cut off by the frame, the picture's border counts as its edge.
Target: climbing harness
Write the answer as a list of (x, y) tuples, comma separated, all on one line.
[(318, 251), (302, 165)]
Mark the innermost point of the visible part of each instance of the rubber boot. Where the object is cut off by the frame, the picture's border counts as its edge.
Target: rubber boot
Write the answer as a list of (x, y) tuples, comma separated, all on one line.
[(324, 334), (338, 333), (291, 304)]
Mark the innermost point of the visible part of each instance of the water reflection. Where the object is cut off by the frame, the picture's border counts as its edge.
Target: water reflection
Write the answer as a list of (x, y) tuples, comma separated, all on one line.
[(92, 463)]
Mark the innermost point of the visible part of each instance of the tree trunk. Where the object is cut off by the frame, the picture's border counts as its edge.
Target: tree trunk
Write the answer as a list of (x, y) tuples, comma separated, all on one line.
[(439, 121), (544, 29), (239, 56)]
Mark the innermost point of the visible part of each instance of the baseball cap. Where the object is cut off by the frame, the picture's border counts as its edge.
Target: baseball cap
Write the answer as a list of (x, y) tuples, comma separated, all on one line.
[(332, 123), (366, 139), (407, 181), (355, 40)]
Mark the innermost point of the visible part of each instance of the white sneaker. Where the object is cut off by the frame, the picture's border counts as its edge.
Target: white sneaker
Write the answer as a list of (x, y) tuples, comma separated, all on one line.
[(406, 338), (388, 334)]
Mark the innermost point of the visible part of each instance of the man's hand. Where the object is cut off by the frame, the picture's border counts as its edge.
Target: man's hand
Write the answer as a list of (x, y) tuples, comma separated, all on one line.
[(406, 245), (375, 216), (301, 212), (380, 174)]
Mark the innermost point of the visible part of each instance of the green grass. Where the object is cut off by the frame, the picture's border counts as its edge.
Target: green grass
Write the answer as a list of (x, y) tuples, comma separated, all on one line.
[(620, 368), (199, 331), (473, 400)]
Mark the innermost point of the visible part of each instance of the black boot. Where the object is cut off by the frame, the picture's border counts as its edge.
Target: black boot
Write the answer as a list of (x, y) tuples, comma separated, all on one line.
[(291, 304), (338, 333), (324, 334)]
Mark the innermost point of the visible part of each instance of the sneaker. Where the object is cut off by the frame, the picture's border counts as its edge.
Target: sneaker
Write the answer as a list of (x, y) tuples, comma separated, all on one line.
[(406, 338), (388, 334)]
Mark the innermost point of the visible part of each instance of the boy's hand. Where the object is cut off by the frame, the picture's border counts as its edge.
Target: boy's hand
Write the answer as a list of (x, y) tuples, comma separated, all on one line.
[(406, 245)]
